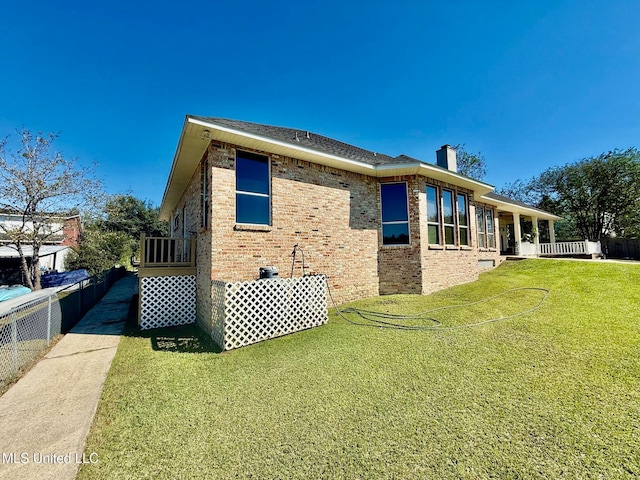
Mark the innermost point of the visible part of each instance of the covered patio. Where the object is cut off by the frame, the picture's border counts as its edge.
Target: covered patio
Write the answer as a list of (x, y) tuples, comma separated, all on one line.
[(524, 231)]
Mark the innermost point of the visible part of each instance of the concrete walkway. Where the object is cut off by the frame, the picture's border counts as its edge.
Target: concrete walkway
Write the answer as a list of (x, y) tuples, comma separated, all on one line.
[(46, 416)]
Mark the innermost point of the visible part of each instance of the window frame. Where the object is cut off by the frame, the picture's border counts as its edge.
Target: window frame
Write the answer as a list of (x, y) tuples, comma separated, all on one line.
[(490, 232), (449, 226), (481, 227), (440, 226), (485, 215), (395, 222), (438, 209), (466, 226), (238, 192)]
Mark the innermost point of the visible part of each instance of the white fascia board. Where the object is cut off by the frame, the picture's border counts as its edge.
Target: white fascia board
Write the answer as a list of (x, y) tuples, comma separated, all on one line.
[(514, 208), (173, 167), (335, 158)]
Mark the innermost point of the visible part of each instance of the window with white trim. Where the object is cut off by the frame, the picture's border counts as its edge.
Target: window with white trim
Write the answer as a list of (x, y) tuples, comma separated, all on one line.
[(253, 189), (394, 202)]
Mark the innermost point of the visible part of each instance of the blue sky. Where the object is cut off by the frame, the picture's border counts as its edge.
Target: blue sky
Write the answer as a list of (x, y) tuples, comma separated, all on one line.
[(528, 84)]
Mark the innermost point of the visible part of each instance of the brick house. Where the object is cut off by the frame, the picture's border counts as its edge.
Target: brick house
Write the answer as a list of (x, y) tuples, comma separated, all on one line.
[(373, 223)]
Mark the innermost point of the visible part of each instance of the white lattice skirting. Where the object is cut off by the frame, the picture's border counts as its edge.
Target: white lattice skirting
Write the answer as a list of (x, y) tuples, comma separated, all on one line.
[(269, 308), (167, 301)]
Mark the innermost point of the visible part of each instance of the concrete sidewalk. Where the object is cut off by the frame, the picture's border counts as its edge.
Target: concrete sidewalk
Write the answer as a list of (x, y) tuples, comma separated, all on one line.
[(46, 416)]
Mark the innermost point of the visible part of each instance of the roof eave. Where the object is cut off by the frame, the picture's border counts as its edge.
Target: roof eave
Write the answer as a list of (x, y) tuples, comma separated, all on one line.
[(196, 134), (520, 209)]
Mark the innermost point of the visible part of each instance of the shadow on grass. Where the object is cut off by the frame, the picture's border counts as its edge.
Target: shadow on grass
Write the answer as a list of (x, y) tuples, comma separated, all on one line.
[(179, 339)]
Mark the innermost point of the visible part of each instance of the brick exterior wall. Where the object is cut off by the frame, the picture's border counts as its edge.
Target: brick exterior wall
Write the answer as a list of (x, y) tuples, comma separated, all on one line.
[(334, 216), (446, 266), (401, 265)]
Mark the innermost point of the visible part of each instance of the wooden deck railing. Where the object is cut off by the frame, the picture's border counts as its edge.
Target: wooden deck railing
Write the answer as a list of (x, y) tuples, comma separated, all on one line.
[(167, 252)]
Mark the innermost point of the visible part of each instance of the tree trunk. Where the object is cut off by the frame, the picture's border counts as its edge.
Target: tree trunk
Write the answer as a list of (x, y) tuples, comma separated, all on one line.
[(35, 268), (26, 271)]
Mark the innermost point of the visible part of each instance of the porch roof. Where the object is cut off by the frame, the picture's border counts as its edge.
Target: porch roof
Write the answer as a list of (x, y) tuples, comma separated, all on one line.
[(505, 204), (197, 132)]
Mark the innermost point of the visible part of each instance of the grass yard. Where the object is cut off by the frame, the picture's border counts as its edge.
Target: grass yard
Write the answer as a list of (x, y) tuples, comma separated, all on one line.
[(551, 394)]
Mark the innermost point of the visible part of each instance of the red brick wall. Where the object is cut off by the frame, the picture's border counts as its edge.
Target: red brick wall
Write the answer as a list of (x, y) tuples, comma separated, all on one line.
[(71, 229)]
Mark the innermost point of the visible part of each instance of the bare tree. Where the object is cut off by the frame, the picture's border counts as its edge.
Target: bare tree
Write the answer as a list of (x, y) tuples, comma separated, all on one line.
[(39, 186)]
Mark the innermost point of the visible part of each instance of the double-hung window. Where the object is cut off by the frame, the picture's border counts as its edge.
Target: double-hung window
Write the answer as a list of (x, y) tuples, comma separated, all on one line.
[(253, 189), (395, 213)]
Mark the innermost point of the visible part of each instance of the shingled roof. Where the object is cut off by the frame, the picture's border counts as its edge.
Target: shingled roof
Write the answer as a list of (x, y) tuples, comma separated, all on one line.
[(311, 140)]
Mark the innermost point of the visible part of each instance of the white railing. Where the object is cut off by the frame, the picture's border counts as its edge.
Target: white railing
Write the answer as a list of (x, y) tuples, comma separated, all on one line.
[(584, 247)]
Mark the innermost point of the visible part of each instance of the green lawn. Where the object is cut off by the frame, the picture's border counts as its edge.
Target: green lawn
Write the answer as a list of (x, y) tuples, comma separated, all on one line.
[(551, 394)]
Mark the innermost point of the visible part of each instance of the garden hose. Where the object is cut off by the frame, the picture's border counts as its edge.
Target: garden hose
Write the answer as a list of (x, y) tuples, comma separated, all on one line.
[(393, 321)]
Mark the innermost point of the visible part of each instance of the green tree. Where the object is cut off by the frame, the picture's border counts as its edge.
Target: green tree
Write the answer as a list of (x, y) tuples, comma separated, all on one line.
[(116, 232), (130, 215), (98, 251), (40, 185), (469, 164), (598, 196)]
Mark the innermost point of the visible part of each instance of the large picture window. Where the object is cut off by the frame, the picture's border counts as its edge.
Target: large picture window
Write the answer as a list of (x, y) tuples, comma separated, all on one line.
[(395, 213), (253, 189)]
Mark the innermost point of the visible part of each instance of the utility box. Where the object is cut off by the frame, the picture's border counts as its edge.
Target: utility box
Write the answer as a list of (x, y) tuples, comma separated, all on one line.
[(268, 272)]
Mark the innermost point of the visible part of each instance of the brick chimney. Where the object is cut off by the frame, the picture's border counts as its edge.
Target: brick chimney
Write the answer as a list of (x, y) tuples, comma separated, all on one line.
[(446, 158)]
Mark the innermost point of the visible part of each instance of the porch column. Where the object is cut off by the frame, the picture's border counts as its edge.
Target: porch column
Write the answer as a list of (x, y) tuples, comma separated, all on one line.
[(517, 232), (536, 235), (552, 233)]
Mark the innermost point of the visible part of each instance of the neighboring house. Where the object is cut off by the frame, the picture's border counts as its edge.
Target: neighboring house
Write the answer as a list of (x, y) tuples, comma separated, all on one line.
[(374, 224), (62, 233)]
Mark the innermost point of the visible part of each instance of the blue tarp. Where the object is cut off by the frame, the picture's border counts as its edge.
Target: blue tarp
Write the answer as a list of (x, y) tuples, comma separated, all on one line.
[(63, 278), (7, 293)]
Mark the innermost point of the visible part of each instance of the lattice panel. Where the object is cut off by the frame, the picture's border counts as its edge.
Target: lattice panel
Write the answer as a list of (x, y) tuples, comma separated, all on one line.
[(217, 312), (167, 301), (269, 308)]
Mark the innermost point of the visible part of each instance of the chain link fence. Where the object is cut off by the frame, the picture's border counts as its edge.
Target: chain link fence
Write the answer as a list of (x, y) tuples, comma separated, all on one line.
[(27, 325), (79, 298)]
